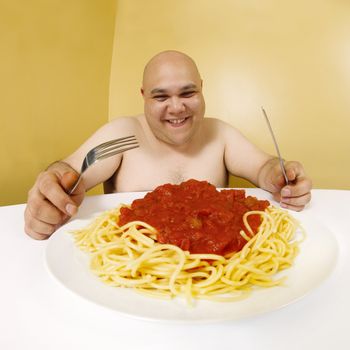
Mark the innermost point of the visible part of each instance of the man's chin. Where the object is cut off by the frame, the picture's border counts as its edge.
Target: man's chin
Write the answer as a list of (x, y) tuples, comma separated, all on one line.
[(180, 141), (175, 140)]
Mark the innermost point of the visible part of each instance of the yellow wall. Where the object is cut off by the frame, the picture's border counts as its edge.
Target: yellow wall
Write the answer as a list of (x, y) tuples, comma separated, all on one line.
[(292, 57), (54, 68)]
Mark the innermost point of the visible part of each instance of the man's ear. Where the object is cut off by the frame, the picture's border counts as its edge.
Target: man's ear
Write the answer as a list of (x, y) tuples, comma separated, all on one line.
[(142, 92)]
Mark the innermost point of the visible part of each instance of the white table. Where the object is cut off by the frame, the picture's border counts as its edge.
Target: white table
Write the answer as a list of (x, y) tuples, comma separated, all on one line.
[(38, 313)]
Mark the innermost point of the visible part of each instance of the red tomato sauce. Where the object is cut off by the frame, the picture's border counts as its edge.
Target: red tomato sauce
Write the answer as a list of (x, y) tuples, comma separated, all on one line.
[(195, 216)]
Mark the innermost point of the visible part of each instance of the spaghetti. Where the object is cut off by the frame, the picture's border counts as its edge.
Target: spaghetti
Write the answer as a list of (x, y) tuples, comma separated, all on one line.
[(130, 256)]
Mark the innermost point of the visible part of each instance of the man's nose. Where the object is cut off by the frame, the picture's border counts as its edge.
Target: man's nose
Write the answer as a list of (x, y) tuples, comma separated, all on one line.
[(176, 105)]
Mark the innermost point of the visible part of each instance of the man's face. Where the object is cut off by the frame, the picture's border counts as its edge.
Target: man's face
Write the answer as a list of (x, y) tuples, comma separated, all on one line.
[(174, 104)]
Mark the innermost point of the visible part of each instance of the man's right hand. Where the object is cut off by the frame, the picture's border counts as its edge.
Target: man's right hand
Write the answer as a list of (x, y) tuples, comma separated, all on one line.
[(49, 206)]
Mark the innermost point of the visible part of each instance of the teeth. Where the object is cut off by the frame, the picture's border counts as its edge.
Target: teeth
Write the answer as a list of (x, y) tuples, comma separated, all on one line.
[(176, 121)]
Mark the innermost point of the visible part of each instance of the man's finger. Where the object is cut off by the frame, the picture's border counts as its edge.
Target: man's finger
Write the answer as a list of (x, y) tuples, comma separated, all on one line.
[(36, 228), (44, 211), (53, 191), (292, 207), (294, 170), (296, 201), (291, 174), (302, 186), (68, 180)]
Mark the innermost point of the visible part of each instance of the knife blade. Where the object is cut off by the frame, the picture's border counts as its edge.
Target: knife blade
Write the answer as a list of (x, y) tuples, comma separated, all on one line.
[(276, 147)]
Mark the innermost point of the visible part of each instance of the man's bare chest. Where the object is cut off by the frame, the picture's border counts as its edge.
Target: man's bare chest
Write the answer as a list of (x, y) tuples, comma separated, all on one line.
[(145, 171)]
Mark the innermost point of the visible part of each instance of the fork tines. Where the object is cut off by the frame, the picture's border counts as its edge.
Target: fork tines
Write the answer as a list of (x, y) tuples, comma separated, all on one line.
[(116, 146)]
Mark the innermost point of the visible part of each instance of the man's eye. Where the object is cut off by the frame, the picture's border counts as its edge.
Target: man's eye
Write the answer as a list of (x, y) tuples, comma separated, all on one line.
[(160, 98), (188, 94)]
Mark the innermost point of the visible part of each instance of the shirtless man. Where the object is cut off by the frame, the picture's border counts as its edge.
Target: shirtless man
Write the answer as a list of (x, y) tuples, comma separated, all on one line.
[(176, 143)]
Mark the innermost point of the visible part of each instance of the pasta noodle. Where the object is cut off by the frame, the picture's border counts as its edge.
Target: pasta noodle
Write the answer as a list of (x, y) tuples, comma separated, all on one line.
[(130, 256)]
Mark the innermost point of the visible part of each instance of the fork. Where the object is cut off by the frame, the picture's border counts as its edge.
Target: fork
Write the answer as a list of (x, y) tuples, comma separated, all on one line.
[(276, 147), (103, 151)]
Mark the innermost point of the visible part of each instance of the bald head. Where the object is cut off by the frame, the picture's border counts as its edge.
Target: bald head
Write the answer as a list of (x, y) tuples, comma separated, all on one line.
[(168, 63), (174, 105)]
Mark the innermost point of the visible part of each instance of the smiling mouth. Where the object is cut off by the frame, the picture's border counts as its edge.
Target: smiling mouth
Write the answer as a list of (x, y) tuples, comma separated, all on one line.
[(177, 122)]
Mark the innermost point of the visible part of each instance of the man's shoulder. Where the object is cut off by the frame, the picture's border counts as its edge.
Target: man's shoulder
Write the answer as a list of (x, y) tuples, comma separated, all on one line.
[(122, 124), (217, 123), (226, 130), (125, 121), (118, 127)]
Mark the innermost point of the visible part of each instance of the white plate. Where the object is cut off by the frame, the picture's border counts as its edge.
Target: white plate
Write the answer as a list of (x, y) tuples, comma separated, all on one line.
[(317, 258)]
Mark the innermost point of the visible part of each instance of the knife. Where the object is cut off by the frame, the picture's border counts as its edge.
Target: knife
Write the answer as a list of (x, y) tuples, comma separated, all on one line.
[(276, 146)]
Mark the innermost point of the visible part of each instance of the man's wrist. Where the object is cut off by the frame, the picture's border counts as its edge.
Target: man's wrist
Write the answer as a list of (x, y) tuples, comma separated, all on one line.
[(60, 167), (264, 172)]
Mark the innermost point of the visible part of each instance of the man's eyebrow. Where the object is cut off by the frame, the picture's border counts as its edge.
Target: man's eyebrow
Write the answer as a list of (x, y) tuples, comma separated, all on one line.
[(189, 87), (164, 91), (158, 91)]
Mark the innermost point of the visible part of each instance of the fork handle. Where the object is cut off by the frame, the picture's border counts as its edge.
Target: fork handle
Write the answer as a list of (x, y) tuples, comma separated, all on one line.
[(75, 185)]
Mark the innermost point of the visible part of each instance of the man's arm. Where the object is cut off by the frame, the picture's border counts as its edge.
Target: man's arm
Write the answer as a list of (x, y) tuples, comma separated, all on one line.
[(244, 159), (49, 206)]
